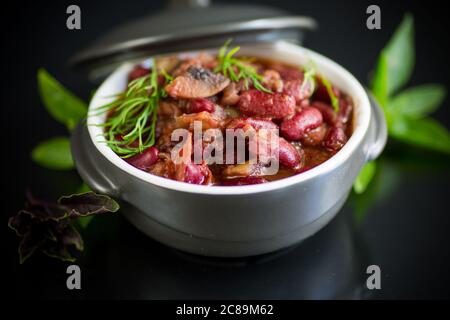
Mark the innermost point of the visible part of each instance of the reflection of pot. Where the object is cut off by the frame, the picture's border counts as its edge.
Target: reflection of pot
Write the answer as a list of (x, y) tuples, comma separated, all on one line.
[(241, 220), (327, 266)]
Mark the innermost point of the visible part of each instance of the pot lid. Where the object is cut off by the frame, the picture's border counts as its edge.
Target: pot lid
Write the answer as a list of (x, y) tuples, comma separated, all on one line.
[(189, 25)]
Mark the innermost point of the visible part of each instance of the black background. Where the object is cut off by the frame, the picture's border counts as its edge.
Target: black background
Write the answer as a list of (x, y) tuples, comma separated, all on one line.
[(406, 222)]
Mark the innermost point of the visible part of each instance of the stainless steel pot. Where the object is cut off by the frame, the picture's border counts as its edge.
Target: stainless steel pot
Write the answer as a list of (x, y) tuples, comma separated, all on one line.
[(242, 220)]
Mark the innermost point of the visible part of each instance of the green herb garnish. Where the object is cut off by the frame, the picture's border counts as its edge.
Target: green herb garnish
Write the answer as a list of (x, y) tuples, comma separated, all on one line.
[(238, 69), (333, 98), (130, 126), (309, 76)]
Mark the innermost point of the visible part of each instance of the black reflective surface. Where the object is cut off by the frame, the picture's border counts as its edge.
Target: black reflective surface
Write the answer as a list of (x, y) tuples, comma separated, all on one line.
[(401, 223)]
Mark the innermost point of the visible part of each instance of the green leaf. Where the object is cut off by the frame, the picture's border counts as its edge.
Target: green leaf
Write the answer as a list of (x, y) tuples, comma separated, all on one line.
[(365, 176), (379, 85), (54, 154), (400, 55), (418, 101), (426, 133), (64, 106)]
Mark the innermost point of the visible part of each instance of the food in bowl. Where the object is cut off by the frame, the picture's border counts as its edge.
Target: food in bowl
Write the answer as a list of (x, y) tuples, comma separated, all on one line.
[(233, 221), (222, 93)]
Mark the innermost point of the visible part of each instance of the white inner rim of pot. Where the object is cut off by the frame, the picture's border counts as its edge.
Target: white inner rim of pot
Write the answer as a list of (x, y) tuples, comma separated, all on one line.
[(280, 51)]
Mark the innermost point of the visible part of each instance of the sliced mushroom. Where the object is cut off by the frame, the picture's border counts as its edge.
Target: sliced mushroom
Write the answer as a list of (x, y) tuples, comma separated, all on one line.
[(245, 170), (196, 82)]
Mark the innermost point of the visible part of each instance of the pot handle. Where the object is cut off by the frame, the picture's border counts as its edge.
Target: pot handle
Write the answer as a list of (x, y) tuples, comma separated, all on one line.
[(83, 153), (379, 130)]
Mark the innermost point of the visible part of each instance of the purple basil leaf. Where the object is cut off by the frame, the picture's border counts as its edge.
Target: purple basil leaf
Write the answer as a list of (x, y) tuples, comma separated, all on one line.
[(30, 242), (47, 225), (21, 223), (70, 237), (58, 250), (86, 204)]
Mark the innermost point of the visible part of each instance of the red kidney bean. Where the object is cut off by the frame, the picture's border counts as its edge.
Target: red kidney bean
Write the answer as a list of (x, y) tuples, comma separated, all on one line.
[(287, 73), (328, 114), (288, 154), (345, 110), (322, 95), (145, 159), (296, 89), (192, 173), (315, 136), (294, 128), (243, 181), (255, 123), (271, 105), (138, 72), (335, 139), (199, 105)]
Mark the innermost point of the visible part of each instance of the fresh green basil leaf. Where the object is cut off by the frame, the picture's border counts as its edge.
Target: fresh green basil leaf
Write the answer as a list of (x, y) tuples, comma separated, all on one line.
[(418, 101), (400, 55), (426, 133), (364, 177), (379, 86), (64, 106), (54, 154)]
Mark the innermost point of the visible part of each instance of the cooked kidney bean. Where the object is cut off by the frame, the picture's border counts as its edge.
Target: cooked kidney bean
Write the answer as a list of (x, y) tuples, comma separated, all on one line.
[(138, 72), (145, 159), (287, 72), (288, 154), (298, 90), (262, 104), (243, 181), (328, 114), (335, 139), (192, 173), (315, 136), (345, 110), (321, 93), (295, 127), (199, 105), (255, 123)]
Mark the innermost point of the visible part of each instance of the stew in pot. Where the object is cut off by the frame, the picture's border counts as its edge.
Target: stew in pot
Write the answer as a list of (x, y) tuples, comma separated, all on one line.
[(209, 96)]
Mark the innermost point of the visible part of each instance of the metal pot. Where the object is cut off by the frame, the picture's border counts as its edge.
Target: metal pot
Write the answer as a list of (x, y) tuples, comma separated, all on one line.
[(241, 220)]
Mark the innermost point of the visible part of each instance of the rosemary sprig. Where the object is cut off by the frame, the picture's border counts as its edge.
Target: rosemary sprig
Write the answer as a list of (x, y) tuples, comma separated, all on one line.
[(132, 116), (237, 69)]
